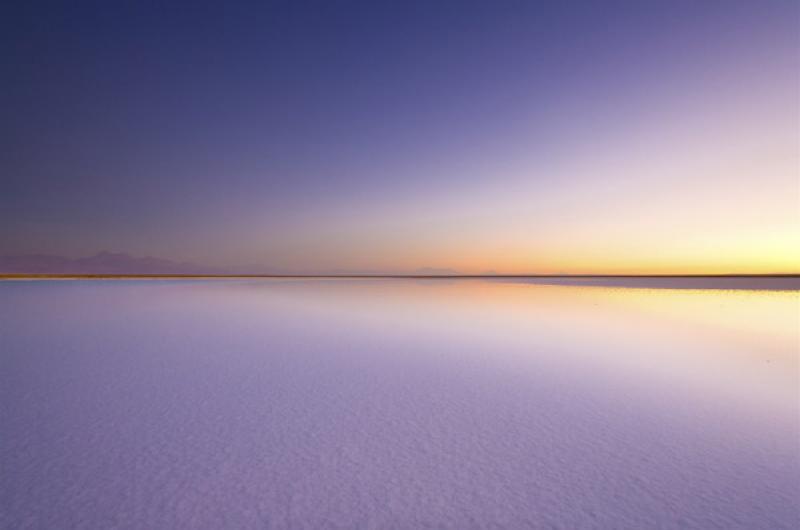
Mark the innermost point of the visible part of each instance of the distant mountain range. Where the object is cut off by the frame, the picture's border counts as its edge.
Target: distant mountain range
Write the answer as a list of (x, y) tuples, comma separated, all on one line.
[(435, 271), (120, 263), (102, 263)]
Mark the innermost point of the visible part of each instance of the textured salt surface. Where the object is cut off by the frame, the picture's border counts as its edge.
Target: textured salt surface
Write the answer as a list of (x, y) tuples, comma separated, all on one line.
[(325, 404)]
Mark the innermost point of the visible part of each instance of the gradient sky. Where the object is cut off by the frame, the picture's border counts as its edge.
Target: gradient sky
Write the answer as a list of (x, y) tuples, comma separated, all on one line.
[(387, 136)]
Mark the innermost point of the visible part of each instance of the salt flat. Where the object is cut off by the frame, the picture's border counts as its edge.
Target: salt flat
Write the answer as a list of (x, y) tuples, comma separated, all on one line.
[(396, 404)]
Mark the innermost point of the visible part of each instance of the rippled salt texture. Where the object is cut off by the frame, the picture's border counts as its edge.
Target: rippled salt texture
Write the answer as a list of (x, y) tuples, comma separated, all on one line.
[(396, 404)]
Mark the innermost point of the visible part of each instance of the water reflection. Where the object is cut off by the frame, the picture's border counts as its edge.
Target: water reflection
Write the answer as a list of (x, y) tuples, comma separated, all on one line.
[(741, 342)]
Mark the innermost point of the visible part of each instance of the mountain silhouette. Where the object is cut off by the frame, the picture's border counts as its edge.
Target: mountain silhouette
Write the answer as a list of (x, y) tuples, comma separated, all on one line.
[(435, 271), (101, 263)]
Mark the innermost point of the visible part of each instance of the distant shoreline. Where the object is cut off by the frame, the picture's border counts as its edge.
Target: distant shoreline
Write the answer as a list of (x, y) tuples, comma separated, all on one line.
[(6, 276), (728, 282)]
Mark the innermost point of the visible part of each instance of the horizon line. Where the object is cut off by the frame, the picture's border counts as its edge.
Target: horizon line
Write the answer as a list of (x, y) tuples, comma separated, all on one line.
[(394, 276)]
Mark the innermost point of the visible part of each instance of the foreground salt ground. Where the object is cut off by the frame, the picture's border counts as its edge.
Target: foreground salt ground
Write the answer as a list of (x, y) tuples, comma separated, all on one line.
[(396, 404)]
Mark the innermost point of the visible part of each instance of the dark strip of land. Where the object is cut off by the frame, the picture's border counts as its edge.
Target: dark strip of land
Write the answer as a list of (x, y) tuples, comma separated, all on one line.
[(398, 276), (772, 282)]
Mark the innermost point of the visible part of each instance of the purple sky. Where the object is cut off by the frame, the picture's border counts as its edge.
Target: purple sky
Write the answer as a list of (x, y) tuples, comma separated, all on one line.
[(512, 136)]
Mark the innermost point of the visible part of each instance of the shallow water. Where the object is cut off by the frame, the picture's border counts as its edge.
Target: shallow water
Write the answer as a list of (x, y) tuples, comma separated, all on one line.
[(396, 404)]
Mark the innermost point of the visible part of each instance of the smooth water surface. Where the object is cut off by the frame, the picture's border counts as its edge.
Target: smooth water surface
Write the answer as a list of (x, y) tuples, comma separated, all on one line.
[(396, 404)]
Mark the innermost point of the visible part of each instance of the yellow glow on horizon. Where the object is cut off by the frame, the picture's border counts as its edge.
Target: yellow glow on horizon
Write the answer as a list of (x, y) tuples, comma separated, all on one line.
[(691, 180)]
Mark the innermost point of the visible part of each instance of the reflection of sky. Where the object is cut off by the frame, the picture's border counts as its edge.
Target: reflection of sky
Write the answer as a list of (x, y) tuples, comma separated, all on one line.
[(739, 345), (556, 138), (397, 404)]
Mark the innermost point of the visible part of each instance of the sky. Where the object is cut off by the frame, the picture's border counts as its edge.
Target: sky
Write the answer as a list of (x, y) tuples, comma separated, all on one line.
[(498, 136)]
